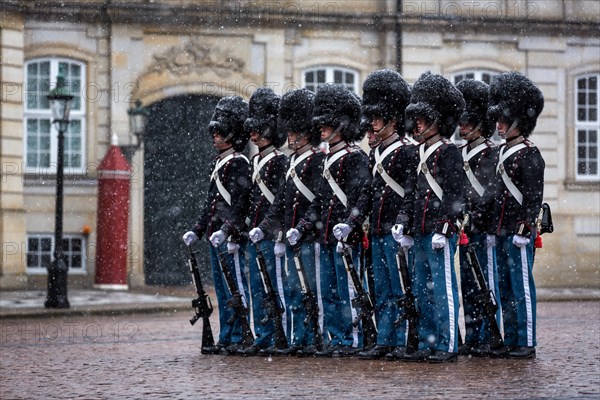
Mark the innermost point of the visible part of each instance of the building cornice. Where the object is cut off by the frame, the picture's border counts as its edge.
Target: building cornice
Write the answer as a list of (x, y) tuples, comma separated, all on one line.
[(226, 14)]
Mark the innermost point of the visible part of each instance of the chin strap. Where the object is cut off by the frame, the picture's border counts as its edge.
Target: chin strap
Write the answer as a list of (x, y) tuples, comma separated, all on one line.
[(511, 128), (429, 130), (475, 129), (332, 134)]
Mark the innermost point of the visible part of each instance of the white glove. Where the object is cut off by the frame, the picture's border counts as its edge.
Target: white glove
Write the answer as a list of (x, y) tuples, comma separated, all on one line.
[(293, 235), (279, 249), (341, 231), (189, 238), (490, 240), (397, 232), (217, 238), (256, 235), (406, 242), (339, 248), (232, 248), (438, 241), (520, 241)]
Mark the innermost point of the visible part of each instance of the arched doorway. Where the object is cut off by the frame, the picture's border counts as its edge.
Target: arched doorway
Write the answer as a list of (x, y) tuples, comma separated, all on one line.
[(177, 156)]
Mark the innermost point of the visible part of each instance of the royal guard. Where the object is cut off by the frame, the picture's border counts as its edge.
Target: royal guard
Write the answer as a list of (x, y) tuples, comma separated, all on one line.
[(480, 156), (223, 215), (434, 111), (302, 175), (515, 104), (392, 162), (268, 176), (345, 171)]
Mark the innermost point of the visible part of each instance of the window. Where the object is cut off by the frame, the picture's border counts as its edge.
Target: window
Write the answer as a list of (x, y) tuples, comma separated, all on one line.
[(316, 77), (40, 248), (40, 133), (485, 76), (587, 126), (480, 75)]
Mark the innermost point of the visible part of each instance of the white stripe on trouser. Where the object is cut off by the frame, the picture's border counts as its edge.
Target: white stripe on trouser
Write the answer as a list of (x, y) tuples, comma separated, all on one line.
[(318, 282), (490, 270), (449, 296), (525, 268), (238, 277), (280, 291), (351, 295), (406, 325)]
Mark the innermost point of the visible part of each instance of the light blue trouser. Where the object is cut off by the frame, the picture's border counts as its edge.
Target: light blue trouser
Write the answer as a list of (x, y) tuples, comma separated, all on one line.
[(265, 331), (230, 332), (386, 279), (336, 294), (299, 333), (476, 324), (436, 292), (517, 291)]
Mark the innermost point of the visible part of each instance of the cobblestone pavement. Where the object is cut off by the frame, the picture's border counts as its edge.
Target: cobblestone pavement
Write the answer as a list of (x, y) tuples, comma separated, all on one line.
[(158, 356)]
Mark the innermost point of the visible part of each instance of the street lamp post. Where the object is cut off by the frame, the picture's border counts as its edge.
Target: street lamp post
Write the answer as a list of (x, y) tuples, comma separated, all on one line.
[(138, 115), (60, 103)]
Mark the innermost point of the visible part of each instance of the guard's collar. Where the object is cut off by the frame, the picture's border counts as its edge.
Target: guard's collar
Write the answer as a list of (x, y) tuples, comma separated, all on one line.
[(515, 141), (391, 139), (304, 149), (265, 151), (474, 143), (227, 152), (337, 147)]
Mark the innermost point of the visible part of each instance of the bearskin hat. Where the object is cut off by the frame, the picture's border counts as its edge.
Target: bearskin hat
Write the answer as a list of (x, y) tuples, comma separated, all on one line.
[(228, 119), (295, 114), (476, 95), (515, 98), (386, 94), (434, 98), (336, 106), (262, 115)]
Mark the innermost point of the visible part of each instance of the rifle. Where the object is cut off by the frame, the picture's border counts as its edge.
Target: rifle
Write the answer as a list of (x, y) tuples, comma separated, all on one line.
[(362, 302), (485, 298), (407, 303), (271, 303), (309, 300), (236, 303), (202, 304)]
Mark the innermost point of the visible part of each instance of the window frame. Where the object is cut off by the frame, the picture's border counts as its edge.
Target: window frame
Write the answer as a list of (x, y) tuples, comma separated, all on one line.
[(41, 114), (329, 76), (585, 125), (41, 270)]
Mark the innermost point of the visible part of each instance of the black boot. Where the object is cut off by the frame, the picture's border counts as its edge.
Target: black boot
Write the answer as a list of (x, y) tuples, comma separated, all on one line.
[(522, 352), (396, 354), (375, 353), (417, 356), (442, 357)]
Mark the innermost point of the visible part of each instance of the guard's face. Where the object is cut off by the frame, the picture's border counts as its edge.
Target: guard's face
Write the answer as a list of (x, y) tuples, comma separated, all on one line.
[(296, 140), (258, 140), (326, 131), (373, 139), (219, 142), (420, 133), (468, 132), (377, 123), (503, 126)]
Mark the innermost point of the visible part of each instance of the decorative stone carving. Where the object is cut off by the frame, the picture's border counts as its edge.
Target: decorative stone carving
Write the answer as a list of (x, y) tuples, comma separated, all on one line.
[(196, 57)]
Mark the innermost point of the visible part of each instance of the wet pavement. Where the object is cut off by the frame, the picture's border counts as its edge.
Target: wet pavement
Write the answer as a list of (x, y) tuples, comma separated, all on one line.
[(158, 356)]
